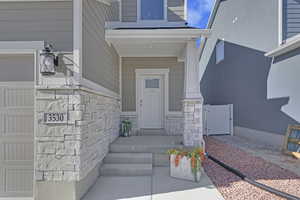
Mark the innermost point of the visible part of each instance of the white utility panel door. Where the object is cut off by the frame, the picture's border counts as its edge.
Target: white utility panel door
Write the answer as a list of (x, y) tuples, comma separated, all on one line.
[(16, 139), (151, 101), (218, 119)]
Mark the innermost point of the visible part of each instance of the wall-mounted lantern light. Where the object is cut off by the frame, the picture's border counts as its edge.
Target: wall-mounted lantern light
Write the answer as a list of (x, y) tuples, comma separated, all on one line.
[(48, 61)]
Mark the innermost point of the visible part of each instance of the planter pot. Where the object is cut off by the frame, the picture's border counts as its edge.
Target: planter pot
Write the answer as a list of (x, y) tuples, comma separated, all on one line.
[(183, 170)]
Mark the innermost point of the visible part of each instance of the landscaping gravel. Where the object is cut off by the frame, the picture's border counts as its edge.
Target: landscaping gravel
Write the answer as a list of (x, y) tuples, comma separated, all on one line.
[(232, 187)]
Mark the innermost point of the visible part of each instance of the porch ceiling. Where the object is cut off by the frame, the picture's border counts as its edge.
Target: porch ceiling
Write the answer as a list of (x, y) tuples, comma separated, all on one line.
[(152, 42)]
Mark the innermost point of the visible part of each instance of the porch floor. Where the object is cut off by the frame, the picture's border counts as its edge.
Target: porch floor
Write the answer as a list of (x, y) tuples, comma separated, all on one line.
[(158, 185)]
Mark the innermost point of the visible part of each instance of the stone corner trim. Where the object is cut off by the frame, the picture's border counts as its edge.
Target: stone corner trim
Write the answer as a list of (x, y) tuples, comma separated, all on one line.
[(193, 122), (68, 152)]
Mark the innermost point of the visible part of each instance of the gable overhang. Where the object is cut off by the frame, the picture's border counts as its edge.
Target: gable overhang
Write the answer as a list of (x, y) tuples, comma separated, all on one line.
[(153, 42)]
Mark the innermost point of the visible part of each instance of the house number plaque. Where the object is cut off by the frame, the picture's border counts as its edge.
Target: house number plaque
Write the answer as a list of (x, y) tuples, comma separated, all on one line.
[(55, 118)]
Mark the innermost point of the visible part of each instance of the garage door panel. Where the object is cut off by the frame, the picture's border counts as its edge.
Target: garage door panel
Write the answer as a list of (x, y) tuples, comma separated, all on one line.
[(18, 152), (16, 139), (2, 97), (2, 179), (18, 179), (19, 122), (19, 97)]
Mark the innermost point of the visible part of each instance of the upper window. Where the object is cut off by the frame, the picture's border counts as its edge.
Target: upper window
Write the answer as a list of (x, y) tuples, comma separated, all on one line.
[(290, 19), (220, 51), (152, 9)]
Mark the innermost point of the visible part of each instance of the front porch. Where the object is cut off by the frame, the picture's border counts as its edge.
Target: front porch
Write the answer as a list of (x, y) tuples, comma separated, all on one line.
[(159, 79), (137, 168)]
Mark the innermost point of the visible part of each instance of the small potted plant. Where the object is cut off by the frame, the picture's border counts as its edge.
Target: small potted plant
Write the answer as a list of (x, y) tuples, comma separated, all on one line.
[(126, 127), (185, 164)]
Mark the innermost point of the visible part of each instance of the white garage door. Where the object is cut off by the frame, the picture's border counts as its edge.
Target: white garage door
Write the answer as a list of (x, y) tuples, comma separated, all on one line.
[(16, 139)]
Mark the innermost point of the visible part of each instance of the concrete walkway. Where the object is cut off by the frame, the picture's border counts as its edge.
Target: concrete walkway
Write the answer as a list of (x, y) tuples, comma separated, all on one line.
[(159, 186)]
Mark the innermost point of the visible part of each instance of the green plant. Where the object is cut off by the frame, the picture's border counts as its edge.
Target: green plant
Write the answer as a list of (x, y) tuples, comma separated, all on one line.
[(126, 127), (196, 157)]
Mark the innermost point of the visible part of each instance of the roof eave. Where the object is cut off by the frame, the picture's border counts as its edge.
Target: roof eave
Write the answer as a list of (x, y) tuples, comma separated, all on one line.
[(285, 48), (157, 33)]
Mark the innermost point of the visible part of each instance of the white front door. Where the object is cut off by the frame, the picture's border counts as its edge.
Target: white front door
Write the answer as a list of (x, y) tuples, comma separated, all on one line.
[(150, 100)]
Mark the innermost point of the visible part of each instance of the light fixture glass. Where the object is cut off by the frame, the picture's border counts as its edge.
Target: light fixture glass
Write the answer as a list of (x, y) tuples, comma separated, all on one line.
[(48, 61)]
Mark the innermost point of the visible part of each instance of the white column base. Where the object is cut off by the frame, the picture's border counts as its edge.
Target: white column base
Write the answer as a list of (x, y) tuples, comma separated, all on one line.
[(192, 122)]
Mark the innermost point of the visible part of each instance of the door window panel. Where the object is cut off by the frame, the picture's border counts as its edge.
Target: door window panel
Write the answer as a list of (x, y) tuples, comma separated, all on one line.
[(152, 83)]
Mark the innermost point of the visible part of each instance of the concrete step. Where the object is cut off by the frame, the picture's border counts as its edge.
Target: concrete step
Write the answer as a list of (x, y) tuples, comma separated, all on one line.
[(152, 132), (123, 148), (126, 170), (128, 158)]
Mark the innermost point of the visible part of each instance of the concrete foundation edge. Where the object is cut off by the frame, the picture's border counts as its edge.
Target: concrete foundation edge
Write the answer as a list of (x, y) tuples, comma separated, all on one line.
[(272, 139), (66, 190)]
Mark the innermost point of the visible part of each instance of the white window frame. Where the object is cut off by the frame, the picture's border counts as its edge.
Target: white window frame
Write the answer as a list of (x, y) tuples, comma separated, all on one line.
[(220, 44), (280, 22), (139, 13)]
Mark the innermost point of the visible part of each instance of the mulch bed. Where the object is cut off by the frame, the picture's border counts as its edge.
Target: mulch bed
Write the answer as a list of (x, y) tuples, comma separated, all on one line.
[(232, 187)]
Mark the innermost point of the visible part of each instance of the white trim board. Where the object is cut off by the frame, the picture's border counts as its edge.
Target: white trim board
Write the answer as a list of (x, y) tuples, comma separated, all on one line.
[(280, 22), (290, 45), (30, 0), (98, 88), (185, 34), (77, 39), (20, 47), (143, 24)]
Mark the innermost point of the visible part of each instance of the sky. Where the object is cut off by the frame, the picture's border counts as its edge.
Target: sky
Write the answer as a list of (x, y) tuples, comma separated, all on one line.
[(199, 11)]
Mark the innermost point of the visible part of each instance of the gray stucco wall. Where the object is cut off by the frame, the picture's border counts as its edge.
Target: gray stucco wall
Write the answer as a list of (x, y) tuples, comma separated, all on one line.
[(176, 77), (246, 78), (38, 21), (16, 67), (100, 61), (291, 18)]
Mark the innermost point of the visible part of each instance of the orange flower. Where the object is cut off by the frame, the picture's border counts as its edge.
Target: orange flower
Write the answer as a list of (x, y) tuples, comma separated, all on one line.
[(177, 160)]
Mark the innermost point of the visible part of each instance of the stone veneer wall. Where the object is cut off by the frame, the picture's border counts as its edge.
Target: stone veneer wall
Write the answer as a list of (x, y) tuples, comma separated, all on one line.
[(68, 152), (192, 122), (174, 125)]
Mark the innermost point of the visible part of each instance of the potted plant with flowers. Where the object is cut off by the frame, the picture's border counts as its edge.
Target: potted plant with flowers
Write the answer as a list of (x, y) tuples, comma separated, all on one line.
[(186, 164)]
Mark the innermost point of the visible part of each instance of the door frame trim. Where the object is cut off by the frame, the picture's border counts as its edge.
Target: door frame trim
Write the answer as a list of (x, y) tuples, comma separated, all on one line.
[(164, 72)]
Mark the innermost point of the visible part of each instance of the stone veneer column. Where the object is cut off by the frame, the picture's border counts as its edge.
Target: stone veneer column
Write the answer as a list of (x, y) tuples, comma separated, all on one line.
[(192, 122), (193, 101)]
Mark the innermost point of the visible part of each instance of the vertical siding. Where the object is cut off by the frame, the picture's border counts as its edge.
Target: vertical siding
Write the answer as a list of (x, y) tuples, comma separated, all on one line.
[(291, 17), (176, 77), (175, 10), (38, 21), (100, 61), (129, 10)]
